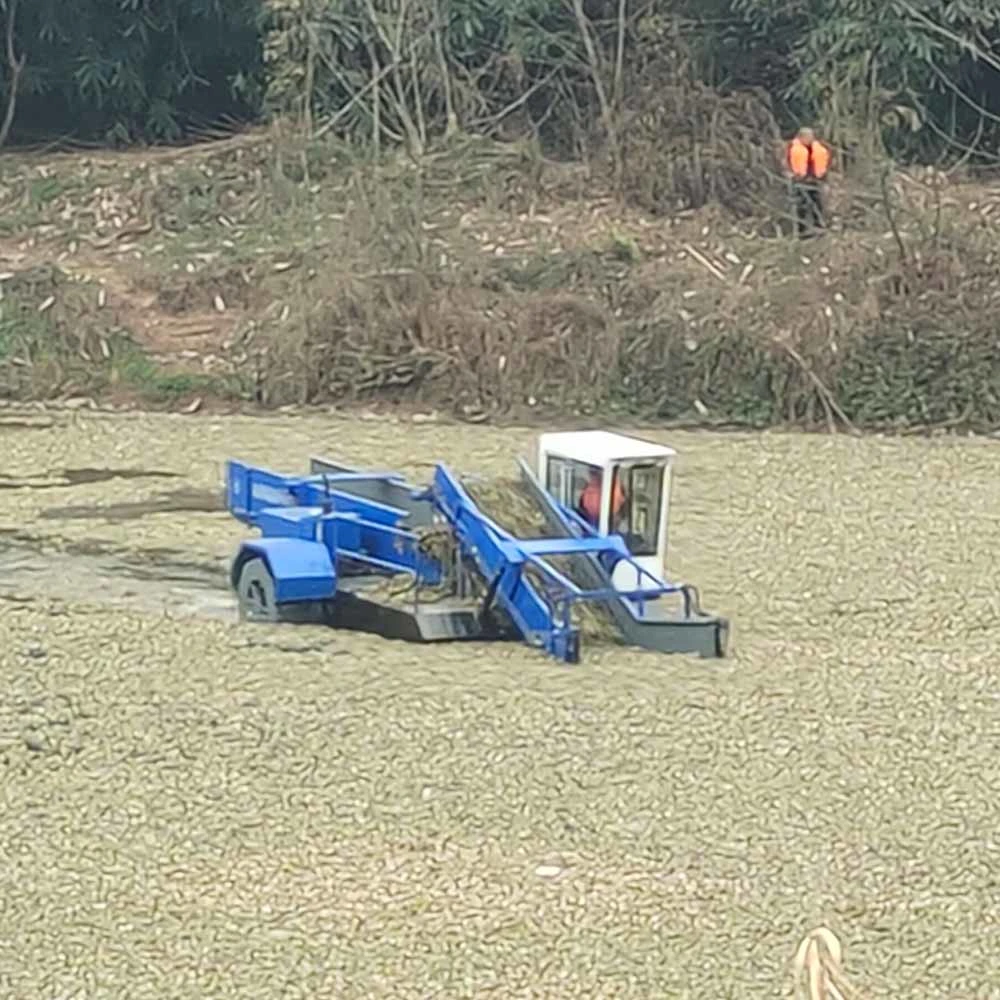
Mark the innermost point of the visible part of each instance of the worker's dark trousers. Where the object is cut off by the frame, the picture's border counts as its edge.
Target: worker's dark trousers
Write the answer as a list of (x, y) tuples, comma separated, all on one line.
[(809, 209)]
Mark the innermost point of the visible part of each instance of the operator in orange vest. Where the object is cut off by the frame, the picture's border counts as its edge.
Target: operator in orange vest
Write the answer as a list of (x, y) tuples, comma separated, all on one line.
[(590, 499), (807, 163)]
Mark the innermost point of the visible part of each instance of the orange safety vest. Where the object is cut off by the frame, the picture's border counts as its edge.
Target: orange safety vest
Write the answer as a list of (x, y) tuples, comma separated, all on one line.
[(590, 500), (808, 161)]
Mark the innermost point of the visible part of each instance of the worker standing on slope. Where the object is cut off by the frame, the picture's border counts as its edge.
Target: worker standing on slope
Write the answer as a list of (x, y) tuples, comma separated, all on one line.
[(807, 161)]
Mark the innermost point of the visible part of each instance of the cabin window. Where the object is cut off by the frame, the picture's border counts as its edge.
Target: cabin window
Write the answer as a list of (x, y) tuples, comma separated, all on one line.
[(566, 480), (640, 521)]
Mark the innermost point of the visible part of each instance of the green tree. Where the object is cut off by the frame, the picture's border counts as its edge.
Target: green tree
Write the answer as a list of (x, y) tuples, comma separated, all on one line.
[(131, 69), (896, 69)]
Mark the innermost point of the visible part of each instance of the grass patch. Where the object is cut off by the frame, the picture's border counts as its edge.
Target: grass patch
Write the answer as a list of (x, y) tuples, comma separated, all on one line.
[(135, 370)]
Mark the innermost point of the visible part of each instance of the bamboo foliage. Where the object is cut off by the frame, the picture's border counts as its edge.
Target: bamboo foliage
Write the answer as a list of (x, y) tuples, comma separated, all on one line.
[(916, 76)]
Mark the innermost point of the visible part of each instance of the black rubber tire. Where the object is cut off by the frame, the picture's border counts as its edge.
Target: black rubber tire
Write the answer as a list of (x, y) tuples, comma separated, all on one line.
[(255, 596), (255, 593)]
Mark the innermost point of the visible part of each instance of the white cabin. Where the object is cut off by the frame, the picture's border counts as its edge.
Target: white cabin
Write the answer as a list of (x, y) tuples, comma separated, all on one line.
[(637, 472)]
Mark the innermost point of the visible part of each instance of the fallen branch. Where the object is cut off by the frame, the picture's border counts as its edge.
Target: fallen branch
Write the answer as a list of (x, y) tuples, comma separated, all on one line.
[(904, 257), (705, 262), (826, 397), (140, 228)]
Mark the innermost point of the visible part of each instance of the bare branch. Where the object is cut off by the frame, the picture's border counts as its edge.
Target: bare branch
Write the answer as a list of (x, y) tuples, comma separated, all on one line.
[(518, 102), (394, 46), (960, 94), (15, 64), (372, 86), (595, 65), (617, 89), (904, 257), (975, 50), (451, 119)]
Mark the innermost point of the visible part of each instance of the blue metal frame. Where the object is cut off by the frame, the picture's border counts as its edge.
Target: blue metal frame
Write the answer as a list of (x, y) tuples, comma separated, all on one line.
[(298, 515), (656, 588), (542, 618), (364, 532), (302, 570)]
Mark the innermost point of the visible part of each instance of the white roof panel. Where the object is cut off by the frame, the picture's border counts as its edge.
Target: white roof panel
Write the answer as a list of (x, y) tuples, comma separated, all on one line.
[(600, 447)]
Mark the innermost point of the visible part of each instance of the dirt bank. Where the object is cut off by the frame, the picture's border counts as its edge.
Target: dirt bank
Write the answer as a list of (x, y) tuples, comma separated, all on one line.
[(194, 807), (490, 282)]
